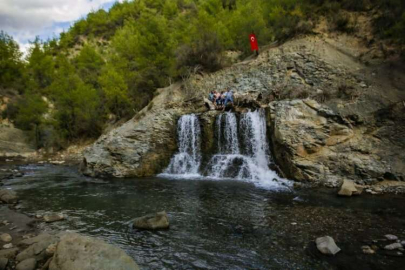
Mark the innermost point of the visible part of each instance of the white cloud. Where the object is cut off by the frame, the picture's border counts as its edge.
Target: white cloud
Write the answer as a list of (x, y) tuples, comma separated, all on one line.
[(25, 19)]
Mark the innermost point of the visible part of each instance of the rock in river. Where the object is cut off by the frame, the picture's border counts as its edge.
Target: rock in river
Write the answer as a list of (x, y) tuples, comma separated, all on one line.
[(349, 188), (326, 245), (75, 252), (391, 237), (393, 246), (53, 217), (5, 237), (8, 196), (152, 222)]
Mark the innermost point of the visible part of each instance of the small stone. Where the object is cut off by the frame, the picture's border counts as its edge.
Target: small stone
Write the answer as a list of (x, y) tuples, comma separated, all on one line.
[(377, 189), (152, 222), (28, 236), (5, 237), (3, 263), (326, 245), (393, 246), (28, 264), (50, 250), (8, 246), (367, 250), (403, 243), (53, 217), (294, 223), (391, 237)]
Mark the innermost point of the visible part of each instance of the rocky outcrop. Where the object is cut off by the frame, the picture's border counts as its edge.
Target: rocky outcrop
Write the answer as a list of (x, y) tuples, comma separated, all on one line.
[(313, 143), (14, 142), (53, 217), (330, 116), (144, 145), (81, 252)]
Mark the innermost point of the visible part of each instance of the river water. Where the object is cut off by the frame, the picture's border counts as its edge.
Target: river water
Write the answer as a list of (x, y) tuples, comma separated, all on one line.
[(215, 224)]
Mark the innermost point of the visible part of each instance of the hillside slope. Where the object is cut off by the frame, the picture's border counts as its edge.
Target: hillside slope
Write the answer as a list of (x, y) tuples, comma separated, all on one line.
[(355, 133)]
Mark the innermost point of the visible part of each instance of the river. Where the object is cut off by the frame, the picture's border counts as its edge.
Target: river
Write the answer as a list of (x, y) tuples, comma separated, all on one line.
[(215, 224)]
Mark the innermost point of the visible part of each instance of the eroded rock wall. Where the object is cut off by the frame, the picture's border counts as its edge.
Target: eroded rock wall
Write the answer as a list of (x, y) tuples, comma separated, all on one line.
[(313, 143)]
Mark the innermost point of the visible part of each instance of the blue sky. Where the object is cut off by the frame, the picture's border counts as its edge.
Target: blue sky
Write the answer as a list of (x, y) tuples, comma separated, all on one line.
[(26, 19)]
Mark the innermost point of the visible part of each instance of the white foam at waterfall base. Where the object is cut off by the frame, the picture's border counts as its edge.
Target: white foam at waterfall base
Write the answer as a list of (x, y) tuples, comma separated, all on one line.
[(247, 160)]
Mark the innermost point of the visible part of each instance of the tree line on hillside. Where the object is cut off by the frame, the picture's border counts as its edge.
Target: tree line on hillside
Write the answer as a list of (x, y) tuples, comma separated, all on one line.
[(108, 65)]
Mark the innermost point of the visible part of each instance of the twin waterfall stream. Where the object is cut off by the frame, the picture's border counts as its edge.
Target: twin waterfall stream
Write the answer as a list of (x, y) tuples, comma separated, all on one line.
[(241, 152)]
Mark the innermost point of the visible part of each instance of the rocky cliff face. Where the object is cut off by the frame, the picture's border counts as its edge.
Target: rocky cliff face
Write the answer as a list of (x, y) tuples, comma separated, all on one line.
[(312, 142), (144, 145), (330, 116), (13, 142)]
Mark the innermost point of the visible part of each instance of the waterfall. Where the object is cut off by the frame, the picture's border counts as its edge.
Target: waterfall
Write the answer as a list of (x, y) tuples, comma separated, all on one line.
[(227, 140), (187, 160), (242, 150), (249, 163), (253, 127)]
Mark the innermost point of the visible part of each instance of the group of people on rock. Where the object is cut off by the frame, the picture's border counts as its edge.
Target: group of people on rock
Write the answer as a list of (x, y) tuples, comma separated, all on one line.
[(221, 99)]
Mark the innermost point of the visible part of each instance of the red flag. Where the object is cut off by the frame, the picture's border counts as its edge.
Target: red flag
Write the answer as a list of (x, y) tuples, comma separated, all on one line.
[(253, 42)]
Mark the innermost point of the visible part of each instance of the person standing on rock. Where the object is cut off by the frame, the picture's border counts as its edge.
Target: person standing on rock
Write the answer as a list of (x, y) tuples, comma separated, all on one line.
[(229, 97), (218, 100), (211, 96)]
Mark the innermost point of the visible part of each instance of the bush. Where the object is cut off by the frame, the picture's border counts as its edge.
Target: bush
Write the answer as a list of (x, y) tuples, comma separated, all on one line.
[(205, 53), (341, 22)]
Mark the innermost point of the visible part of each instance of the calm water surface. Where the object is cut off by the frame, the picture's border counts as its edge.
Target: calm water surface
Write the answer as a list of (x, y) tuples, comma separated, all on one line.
[(213, 224)]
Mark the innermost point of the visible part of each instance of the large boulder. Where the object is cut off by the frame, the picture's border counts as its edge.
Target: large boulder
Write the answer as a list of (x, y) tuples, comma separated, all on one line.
[(152, 222), (15, 142), (313, 143), (75, 252), (144, 145)]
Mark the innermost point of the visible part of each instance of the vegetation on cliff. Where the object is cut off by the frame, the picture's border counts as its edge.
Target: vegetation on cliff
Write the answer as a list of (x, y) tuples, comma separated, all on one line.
[(108, 65)]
